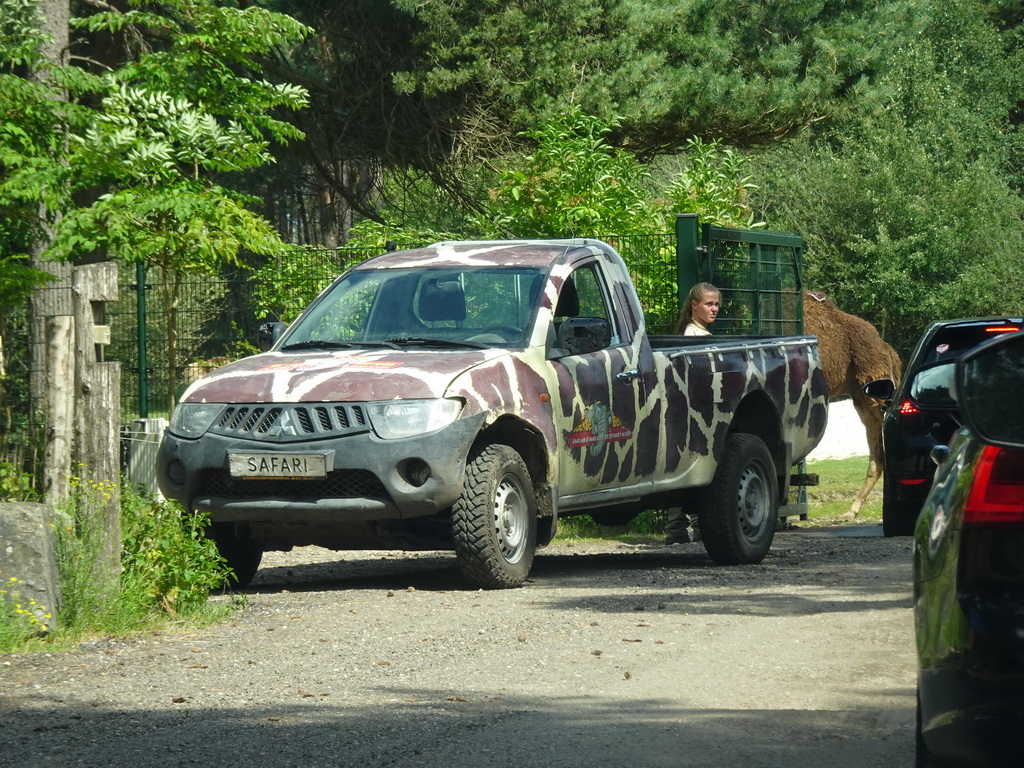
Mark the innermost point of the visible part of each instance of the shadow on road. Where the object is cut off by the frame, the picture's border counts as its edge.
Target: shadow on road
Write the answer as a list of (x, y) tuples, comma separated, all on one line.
[(599, 575), (415, 727)]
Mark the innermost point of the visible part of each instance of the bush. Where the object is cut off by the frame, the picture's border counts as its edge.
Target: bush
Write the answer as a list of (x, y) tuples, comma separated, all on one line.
[(649, 523), (168, 566), (21, 620), (169, 563)]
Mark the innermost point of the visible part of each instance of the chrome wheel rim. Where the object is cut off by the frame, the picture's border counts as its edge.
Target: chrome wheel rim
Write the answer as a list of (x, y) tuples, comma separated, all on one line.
[(753, 502), (511, 518)]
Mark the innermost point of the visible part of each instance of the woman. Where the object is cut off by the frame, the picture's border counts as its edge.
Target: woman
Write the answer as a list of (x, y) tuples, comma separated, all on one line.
[(700, 310)]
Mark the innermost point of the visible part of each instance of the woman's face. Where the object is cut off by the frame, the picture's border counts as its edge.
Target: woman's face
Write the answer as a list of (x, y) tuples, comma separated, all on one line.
[(706, 309)]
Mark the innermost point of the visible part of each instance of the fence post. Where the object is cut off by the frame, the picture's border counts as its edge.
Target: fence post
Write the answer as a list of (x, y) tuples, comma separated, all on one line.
[(98, 410), (140, 323), (687, 251)]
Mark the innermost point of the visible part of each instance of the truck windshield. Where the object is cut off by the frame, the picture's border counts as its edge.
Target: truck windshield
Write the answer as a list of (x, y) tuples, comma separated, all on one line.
[(484, 306)]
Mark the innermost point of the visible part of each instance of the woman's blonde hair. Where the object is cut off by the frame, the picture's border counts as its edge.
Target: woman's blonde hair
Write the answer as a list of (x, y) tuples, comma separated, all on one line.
[(696, 294)]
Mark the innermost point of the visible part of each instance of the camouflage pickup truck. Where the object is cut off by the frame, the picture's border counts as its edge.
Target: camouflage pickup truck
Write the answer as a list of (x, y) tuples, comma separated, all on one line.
[(465, 395)]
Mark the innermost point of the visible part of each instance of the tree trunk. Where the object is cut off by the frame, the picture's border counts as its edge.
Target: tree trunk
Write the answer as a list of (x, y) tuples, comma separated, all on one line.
[(51, 370), (59, 409)]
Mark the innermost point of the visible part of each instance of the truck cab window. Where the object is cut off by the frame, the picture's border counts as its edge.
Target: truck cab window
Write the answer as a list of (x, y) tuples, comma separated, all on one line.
[(590, 300)]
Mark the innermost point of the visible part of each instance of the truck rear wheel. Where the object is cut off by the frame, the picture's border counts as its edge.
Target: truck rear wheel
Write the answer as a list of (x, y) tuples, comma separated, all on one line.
[(243, 555), (737, 521), (494, 521)]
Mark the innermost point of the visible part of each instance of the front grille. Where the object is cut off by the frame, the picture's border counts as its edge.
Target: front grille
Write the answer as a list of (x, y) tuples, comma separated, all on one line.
[(288, 422), (339, 484)]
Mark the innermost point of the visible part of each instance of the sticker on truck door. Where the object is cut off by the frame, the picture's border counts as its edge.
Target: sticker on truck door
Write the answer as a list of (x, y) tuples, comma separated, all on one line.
[(598, 428)]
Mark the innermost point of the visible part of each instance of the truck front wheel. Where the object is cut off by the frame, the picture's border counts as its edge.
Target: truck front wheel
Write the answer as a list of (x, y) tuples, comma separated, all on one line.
[(242, 554), (737, 522), (494, 521)]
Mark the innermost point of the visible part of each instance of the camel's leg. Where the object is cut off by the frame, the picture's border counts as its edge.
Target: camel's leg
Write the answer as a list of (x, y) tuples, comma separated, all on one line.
[(871, 417)]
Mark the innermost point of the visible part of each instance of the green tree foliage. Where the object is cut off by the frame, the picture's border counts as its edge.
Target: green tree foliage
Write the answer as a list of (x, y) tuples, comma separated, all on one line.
[(907, 211), (408, 87), (572, 184), (672, 69), (714, 184), (29, 129), (170, 123)]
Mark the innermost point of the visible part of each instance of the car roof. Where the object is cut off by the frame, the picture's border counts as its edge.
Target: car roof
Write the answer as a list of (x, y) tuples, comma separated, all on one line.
[(969, 330), (973, 321), (488, 253)]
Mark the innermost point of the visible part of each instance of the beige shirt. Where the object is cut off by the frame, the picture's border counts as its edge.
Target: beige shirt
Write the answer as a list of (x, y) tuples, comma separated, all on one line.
[(693, 328)]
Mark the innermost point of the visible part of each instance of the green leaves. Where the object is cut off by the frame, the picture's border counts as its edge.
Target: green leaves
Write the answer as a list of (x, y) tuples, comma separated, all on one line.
[(574, 184), (169, 565), (19, 32), (146, 138), (713, 185), (908, 212), (165, 129)]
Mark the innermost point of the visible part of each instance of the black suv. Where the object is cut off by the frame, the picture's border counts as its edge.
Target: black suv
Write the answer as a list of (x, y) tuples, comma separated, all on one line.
[(922, 414), (968, 579)]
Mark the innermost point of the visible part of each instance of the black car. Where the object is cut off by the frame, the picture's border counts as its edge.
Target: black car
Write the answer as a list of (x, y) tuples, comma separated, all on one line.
[(921, 414), (969, 573)]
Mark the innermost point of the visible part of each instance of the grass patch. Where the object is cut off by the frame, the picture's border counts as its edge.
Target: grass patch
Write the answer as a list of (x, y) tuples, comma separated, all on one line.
[(168, 569), (840, 480), (828, 504)]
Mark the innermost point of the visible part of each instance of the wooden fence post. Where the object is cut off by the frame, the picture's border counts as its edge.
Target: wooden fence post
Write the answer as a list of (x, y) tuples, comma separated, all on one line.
[(98, 409), (59, 408)]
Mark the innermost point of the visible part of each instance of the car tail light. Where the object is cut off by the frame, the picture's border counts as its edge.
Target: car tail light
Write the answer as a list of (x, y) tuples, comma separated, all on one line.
[(907, 408), (1001, 329), (997, 491)]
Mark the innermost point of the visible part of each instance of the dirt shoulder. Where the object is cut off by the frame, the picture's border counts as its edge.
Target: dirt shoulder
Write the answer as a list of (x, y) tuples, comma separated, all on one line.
[(612, 655)]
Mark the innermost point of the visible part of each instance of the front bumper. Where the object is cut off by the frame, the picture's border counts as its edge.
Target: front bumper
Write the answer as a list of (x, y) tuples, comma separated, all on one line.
[(368, 478)]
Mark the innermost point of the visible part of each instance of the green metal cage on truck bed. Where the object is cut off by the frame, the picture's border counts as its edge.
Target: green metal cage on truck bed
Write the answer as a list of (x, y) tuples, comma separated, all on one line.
[(759, 274)]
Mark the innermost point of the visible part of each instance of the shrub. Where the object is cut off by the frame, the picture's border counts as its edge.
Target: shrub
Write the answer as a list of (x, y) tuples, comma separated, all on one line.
[(168, 566), (20, 620)]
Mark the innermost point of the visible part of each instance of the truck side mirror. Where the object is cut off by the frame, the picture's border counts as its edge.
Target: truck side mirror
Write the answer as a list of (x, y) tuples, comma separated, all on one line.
[(581, 335), (269, 333), (880, 389), (988, 390)]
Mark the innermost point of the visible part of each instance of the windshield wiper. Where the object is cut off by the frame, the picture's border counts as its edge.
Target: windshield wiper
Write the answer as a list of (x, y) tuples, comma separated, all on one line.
[(318, 345), (421, 341)]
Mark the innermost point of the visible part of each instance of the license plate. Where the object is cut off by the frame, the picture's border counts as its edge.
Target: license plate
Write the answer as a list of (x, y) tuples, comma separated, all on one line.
[(298, 466)]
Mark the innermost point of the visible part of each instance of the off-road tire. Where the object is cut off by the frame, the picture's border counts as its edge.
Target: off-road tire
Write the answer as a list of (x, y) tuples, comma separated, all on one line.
[(494, 520), (737, 517), (243, 555)]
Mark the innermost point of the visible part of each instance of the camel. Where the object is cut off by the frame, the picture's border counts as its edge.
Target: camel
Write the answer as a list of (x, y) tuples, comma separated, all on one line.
[(852, 354)]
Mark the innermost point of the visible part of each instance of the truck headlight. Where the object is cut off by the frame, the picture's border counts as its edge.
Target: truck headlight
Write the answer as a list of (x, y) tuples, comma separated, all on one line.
[(193, 419), (392, 419)]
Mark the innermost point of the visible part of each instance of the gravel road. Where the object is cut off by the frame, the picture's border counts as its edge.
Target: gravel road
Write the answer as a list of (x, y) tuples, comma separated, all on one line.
[(612, 655)]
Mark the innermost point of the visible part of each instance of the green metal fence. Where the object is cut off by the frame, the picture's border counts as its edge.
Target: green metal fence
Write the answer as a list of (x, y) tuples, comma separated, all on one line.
[(217, 320), (759, 274)]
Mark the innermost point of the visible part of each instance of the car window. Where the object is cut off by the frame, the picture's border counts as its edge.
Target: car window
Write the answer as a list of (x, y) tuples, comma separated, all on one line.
[(494, 305), (933, 386), (990, 392), (951, 343), (592, 297)]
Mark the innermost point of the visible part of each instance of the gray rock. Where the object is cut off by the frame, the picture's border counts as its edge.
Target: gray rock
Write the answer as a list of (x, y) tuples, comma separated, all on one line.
[(28, 554)]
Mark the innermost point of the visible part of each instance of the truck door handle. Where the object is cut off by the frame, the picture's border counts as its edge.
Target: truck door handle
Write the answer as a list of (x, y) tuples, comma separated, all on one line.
[(629, 375)]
